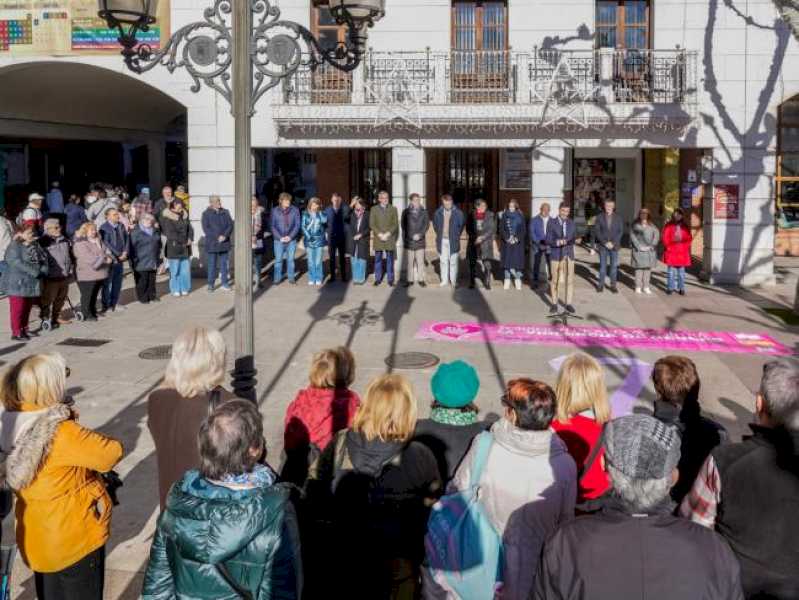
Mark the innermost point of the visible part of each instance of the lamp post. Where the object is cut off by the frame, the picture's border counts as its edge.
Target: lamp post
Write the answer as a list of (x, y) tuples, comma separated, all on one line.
[(241, 61)]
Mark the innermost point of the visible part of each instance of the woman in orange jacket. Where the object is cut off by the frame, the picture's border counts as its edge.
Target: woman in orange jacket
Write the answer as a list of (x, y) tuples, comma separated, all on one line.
[(54, 466)]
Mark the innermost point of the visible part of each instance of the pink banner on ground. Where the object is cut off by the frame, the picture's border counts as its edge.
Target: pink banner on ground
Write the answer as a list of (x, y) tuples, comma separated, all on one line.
[(610, 337)]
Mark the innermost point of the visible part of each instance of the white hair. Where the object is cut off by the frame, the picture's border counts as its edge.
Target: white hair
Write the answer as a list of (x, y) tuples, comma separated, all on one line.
[(639, 495), (780, 391), (197, 366)]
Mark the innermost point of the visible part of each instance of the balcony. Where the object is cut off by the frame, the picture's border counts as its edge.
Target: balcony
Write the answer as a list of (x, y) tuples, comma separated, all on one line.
[(429, 93)]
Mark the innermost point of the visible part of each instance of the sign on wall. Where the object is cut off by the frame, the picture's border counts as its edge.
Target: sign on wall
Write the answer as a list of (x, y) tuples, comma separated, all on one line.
[(516, 169), (59, 27), (726, 202)]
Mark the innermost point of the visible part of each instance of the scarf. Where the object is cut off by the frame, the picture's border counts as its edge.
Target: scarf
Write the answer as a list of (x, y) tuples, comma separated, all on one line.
[(453, 416), (147, 230), (480, 215), (678, 232), (260, 477)]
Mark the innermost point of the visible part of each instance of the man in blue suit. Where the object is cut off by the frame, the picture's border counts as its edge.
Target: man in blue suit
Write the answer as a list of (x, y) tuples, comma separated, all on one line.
[(608, 230), (338, 217), (560, 238), (538, 241)]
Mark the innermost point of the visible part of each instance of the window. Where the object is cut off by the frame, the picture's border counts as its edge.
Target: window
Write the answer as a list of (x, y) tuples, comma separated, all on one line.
[(480, 62), (329, 85), (622, 24), (466, 176), (788, 165), (371, 173)]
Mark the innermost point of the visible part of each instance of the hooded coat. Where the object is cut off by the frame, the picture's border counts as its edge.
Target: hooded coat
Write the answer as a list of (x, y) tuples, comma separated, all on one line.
[(26, 266), (63, 510), (528, 489), (511, 225), (178, 232), (252, 532)]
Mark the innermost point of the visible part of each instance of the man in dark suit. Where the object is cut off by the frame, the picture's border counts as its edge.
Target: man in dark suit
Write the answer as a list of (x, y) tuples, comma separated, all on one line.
[(560, 238), (338, 215), (608, 231), (538, 242)]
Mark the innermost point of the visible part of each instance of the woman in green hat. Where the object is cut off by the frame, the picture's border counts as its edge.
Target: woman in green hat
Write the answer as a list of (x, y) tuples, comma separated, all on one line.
[(453, 421)]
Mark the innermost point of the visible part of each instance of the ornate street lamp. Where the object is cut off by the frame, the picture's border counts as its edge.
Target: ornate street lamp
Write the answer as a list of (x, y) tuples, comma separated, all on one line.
[(241, 49)]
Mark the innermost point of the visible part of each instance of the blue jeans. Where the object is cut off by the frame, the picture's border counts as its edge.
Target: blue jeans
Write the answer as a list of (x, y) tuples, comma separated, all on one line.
[(315, 270), (284, 250), (218, 264), (112, 286), (604, 254), (257, 265), (382, 256), (179, 275), (358, 269), (676, 278)]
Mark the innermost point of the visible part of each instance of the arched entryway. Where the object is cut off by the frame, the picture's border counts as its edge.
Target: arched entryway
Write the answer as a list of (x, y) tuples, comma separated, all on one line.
[(79, 123)]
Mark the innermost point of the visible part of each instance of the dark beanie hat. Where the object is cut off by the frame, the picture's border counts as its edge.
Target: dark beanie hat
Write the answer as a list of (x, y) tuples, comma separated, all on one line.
[(455, 384)]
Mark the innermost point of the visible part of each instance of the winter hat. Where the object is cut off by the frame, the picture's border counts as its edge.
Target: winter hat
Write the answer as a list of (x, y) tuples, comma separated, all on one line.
[(455, 384), (641, 447)]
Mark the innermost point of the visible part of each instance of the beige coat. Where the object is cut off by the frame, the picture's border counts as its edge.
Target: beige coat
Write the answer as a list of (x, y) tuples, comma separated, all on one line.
[(90, 263)]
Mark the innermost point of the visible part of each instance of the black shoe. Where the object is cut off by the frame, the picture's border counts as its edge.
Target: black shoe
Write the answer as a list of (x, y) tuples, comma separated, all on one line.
[(89, 319), (681, 292), (156, 300), (390, 284), (471, 285), (570, 309), (18, 338), (407, 284), (669, 292), (553, 309), (600, 288), (422, 284), (614, 289), (292, 282), (377, 283), (24, 335)]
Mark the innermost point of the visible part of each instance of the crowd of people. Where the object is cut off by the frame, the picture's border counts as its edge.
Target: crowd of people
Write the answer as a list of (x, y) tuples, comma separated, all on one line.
[(92, 240), (556, 497)]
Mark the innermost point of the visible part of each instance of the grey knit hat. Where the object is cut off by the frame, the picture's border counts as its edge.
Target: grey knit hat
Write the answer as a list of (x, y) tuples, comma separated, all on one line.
[(641, 447)]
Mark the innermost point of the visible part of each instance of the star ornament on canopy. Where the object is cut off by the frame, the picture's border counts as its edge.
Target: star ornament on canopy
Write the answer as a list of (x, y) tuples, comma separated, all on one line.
[(397, 98), (563, 96)]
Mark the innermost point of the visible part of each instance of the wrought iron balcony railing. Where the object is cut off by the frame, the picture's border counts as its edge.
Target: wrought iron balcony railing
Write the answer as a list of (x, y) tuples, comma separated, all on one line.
[(510, 77)]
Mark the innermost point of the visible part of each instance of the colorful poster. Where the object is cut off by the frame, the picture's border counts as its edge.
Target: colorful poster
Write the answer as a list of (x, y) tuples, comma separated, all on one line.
[(60, 27), (594, 182), (612, 337), (726, 202)]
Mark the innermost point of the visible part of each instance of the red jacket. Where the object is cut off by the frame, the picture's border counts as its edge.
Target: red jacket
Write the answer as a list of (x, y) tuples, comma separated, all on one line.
[(580, 435), (316, 415), (677, 253)]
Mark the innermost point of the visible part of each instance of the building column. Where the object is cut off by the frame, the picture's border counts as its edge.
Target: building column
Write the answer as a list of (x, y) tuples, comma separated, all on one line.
[(551, 165), (156, 164), (739, 249), (408, 176)]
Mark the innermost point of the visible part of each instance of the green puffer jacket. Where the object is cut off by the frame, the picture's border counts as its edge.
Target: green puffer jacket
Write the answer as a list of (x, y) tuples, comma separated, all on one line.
[(253, 532)]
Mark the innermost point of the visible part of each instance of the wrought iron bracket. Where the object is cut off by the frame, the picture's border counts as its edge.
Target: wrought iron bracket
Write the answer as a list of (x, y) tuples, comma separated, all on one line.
[(277, 49)]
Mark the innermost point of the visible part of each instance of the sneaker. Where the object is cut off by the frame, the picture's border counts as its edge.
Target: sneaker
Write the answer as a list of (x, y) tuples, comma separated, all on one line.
[(318, 283), (648, 291), (600, 288), (570, 309), (519, 284), (292, 281), (210, 290), (639, 290), (614, 289), (310, 282), (669, 292), (226, 288), (119, 308), (506, 285), (184, 293), (443, 284), (591, 251), (176, 294)]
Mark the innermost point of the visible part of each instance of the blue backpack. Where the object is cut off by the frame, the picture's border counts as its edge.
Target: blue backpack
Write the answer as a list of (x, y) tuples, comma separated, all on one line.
[(464, 549)]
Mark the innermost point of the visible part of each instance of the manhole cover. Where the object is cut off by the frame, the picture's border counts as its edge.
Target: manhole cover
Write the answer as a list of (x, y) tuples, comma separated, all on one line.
[(83, 342), (412, 360), (157, 353)]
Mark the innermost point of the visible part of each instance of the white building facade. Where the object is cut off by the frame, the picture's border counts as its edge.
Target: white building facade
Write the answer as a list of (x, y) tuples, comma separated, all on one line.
[(656, 103)]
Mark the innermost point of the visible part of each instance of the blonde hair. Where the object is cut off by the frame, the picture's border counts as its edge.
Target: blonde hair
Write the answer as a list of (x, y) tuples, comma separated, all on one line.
[(313, 201), (83, 230), (580, 386), (332, 368), (197, 366), (388, 411), (39, 379)]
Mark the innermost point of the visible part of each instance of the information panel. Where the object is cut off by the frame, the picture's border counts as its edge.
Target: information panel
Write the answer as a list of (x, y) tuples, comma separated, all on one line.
[(59, 27)]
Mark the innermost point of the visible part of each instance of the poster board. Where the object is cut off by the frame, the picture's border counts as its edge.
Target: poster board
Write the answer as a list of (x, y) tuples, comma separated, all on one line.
[(64, 27), (726, 202), (594, 182), (516, 169)]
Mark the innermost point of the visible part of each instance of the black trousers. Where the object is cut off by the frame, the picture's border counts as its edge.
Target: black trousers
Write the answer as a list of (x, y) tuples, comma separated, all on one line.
[(340, 248), (83, 580), (89, 291), (145, 286)]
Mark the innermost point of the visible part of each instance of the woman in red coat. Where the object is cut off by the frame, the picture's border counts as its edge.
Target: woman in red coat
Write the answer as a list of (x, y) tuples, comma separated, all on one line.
[(677, 252)]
